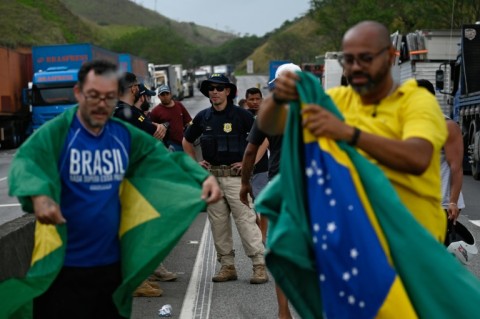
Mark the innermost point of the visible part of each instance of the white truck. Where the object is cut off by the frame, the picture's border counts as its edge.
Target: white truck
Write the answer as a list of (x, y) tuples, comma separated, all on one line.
[(179, 78), (333, 71), (420, 54), (202, 73), (166, 74)]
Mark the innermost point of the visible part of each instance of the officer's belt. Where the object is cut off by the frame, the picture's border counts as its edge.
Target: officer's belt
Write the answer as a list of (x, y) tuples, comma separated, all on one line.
[(223, 171)]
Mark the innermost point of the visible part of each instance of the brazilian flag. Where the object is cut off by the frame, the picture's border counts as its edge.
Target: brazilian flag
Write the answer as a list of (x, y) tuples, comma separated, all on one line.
[(160, 198), (341, 243)]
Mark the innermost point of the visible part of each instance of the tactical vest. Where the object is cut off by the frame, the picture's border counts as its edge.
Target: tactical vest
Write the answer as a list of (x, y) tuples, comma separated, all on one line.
[(224, 143)]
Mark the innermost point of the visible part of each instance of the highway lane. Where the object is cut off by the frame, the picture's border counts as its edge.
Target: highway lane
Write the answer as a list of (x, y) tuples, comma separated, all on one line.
[(9, 207)]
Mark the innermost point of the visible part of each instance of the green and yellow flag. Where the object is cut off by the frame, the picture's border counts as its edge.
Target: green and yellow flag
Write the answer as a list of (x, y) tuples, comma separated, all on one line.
[(160, 197), (342, 244)]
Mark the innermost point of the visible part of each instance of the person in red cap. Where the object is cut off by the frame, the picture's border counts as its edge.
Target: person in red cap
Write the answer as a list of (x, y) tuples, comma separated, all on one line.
[(175, 114)]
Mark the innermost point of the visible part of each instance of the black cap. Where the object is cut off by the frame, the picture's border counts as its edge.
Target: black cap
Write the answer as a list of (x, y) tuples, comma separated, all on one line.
[(219, 78), (144, 91)]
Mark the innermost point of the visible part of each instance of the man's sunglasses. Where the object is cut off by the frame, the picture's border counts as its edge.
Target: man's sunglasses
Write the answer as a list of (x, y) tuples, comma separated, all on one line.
[(219, 88)]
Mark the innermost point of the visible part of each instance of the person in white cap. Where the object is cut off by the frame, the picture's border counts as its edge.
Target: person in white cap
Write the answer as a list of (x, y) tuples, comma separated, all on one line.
[(284, 68), (255, 140)]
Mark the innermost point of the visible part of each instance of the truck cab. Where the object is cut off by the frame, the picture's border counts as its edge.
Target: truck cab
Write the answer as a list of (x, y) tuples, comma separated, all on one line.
[(52, 93), (459, 80), (55, 73)]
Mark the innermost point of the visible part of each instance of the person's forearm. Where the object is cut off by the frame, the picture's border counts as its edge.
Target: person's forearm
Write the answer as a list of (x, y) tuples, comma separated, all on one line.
[(411, 156), (189, 148), (456, 180), (272, 117), (248, 163), (454, 156)]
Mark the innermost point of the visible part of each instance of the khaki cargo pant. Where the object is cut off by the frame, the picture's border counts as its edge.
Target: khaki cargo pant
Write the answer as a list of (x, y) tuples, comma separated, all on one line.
[(219, 215)]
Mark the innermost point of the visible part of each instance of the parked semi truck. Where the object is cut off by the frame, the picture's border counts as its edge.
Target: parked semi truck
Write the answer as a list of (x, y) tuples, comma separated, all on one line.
[(55, 70), (333, 71), (140, 67), (459, 79), (421, 52), (15, 74), (227, 70), (166, 74)]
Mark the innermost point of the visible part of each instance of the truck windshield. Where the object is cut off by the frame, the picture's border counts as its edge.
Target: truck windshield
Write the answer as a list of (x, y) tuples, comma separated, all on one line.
[(53, 95)]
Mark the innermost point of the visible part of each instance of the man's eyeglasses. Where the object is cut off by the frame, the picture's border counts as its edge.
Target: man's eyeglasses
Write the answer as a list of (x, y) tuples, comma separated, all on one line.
[(96, 99), (219, 88), (363, 59)]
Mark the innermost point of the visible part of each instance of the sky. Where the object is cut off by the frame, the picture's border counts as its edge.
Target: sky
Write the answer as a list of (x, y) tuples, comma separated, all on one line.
[(254, 17)]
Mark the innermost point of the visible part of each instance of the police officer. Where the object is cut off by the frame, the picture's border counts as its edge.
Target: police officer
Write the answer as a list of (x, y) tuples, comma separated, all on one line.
[(129, 92), (223, 129)]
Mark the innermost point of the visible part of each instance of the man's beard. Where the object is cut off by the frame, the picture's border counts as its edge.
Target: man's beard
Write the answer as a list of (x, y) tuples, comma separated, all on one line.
[(145, 106), (137, 97), (372, 81)]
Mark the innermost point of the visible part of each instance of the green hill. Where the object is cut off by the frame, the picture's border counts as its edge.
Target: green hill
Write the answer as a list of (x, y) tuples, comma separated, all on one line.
[(296, 41), (124, 26), (36, 22), (29, 22), (123, 16)]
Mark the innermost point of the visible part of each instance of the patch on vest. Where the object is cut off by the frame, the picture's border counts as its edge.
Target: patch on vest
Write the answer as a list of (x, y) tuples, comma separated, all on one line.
[(227, 127)]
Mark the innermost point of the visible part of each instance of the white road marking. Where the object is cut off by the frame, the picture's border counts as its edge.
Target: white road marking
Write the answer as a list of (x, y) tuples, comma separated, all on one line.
[(2, 179), (475, 222), (9, 205), (197, 301)]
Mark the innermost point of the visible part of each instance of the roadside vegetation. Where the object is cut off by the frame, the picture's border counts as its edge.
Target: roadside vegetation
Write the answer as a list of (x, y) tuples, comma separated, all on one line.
[(124, 26)]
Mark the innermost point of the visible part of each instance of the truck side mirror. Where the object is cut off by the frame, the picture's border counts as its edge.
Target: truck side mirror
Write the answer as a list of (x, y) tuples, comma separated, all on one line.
[(439, 79), (26, 96)]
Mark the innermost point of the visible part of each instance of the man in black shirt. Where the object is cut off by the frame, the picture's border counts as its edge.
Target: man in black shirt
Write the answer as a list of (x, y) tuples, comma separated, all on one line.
[(223, 129), (129, 110), (126, 110), (255, 139)]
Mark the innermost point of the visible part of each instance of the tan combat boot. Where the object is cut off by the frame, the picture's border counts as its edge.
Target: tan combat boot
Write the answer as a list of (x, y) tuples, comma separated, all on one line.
[(162, 274), (226, 273), (260, 275), (147, 289)]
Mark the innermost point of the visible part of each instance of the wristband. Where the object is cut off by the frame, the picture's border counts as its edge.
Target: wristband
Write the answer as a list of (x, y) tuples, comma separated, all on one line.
[(356, 135), (277, 100), (454, 204)]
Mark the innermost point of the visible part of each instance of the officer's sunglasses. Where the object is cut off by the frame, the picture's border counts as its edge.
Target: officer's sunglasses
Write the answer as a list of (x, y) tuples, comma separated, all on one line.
[(219, 88)]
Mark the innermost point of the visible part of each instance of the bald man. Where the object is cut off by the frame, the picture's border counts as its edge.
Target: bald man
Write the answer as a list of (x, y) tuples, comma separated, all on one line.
[(398, 127)]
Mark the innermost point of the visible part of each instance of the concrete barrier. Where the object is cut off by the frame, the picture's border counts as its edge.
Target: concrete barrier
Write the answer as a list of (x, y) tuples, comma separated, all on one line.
[(16, 246)]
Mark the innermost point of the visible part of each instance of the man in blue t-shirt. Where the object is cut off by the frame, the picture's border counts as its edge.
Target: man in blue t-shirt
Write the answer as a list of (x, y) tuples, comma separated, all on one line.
[(92, 164)]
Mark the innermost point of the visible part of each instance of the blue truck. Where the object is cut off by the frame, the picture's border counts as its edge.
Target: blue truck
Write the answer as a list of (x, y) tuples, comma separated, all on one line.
[(460, 79), (272, 68), (134, 64), (55, 69)]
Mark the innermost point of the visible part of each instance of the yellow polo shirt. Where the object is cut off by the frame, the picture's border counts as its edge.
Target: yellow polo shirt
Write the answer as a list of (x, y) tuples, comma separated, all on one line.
[(409, 112)]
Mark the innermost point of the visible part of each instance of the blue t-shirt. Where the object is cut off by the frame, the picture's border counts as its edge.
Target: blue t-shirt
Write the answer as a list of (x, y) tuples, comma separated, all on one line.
[(91, 169)]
